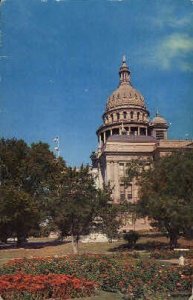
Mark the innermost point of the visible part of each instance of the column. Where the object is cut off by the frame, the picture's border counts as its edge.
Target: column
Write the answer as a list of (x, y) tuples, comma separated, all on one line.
[(100, 140), (116, 192), (104, 137), (108, 172), (138, 130)]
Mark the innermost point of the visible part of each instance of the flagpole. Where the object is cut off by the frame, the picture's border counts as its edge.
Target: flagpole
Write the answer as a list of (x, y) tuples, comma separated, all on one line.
[(57, 147)]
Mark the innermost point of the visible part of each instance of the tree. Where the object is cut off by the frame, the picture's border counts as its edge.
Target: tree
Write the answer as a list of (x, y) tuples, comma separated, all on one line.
[(131, 237), (135, 167), (108, 213), (18, 214), (74, 204), (28, 177), (166, 194), (79, 207)]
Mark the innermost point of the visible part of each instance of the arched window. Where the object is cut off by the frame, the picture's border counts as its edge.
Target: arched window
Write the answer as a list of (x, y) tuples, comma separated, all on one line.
[(131, 115), (138, 114), (118, 116), (112, 117), (124, 115)]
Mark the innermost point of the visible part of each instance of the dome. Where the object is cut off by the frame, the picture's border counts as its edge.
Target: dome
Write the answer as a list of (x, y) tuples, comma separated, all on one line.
[(158, 120), (125, 94)]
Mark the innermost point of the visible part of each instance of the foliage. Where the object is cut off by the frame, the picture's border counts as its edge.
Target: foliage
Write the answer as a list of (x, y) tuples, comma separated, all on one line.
[(79, 207), (108, 214), (134, 168), (26, 286), (18, 213), (168, 200), (131, 237), (138, 279), (74, 205), (37, 189), (28, 177)]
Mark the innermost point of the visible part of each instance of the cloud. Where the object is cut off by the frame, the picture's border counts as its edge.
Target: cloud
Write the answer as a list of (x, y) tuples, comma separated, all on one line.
[(173, 21), (176, 47), (174, 51), (172, 16)]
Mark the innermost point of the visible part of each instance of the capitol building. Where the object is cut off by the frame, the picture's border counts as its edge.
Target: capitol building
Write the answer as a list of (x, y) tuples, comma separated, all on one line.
[(128, 133)]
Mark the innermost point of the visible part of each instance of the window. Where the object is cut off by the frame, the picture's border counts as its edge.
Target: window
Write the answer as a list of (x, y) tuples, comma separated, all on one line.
[(112, 117), (138, 114), (129, 192), (142, 131), (118, 116), (122, 192), (122, 197), (125, 192), (159, 134), (124, 115), (131, 115), (115, 131), (108, 133), (121, 169)]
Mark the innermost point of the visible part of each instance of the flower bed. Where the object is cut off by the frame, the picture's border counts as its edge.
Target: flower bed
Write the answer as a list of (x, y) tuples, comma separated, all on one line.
[(26, 286), (138, 279)]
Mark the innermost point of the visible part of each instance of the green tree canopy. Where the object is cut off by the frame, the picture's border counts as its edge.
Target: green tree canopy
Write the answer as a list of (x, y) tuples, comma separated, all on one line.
[(29, 174), (79, 207), (74, 204), (166, 194)]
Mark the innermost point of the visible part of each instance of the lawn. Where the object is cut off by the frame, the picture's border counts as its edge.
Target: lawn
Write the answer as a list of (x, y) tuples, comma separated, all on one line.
[(42, 247)]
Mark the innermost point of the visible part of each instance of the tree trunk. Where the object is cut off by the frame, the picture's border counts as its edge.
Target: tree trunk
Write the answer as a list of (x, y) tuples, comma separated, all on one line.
[(4, 239), (74, 244), (21, 240), (173, 240)]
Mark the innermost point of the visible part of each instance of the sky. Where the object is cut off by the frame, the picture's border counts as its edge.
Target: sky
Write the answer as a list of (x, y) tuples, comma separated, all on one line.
[(59, 62)]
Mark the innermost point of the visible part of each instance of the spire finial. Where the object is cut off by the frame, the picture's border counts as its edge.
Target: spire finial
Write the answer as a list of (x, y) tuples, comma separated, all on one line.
[(124, 59), (124, 72), (157, 112)]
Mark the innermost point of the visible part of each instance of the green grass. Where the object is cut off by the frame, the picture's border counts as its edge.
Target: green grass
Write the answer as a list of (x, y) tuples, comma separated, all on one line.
[(103, 296), (42, 247), (54, 249)]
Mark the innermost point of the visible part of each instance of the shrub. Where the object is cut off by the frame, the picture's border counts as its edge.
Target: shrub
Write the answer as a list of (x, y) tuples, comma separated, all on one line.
[(131, 237)]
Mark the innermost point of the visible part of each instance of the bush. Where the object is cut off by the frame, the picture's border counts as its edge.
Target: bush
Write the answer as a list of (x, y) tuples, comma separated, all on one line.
[(131, 237)]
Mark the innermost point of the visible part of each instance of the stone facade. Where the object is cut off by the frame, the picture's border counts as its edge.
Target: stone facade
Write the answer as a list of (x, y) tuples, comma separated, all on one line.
[(127, 133)]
